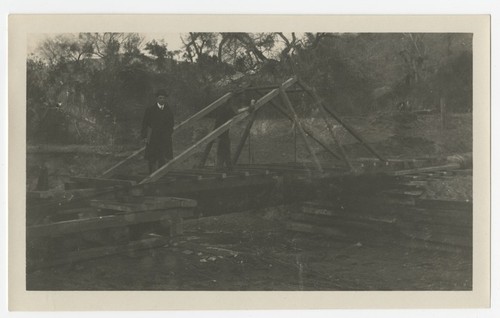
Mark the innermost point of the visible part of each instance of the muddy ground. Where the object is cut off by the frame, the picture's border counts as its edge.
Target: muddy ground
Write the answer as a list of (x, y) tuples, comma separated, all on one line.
[(254, 251)]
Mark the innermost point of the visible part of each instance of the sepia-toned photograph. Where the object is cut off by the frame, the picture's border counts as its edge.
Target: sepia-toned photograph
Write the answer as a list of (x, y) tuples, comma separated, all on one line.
[(249, 161)]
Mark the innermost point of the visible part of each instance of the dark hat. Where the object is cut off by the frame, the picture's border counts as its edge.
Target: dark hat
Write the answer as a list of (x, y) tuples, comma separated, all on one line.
[(161, 92)]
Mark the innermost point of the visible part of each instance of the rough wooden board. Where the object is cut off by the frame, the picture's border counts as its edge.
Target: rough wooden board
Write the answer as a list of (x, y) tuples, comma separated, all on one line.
[(444, 204), (437, 219), (328, 212), (428, 245), (63, 194), (307, 228), (424, 170), (101, 182), (107, 221), (149, 204), (186, 186), (343, 222), (181, 202)]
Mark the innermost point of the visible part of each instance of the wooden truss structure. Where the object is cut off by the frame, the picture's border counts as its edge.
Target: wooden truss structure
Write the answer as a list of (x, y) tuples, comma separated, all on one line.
[(270, 98)]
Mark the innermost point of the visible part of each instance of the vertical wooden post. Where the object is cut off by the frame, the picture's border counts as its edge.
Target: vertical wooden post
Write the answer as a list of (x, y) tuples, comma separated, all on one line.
[(295, 143), (205, 155), (246, 134), (296, 120)]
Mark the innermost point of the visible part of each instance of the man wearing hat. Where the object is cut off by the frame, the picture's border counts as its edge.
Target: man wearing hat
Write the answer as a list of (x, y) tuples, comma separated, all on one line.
[(157, 129)]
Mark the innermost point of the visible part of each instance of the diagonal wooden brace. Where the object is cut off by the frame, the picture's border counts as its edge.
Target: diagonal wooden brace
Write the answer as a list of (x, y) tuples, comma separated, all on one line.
[(217, 132)]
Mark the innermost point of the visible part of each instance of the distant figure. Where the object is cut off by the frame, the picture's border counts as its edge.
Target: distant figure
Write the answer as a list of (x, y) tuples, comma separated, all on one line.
[(157, 129), (222, 115)]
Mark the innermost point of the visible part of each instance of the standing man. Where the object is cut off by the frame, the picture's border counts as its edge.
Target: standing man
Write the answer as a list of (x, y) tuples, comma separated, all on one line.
[(157, 129), (223, 162)]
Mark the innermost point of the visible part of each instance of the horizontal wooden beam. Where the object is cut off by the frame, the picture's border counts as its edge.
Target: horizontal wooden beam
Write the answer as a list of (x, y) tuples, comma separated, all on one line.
[(101, 182), (152, 203), (104, 222), (308, 228), (452, 166), (190, 188)]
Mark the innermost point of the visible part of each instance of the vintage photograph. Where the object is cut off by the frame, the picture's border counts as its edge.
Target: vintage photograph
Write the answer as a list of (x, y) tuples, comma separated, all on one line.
[(249, 161)]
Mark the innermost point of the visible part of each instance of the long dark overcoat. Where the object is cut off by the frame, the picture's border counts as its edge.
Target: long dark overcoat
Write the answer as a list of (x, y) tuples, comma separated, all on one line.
[(161, 122)]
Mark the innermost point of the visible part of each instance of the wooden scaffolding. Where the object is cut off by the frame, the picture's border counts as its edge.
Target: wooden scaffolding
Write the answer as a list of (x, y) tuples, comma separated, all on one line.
[(267, 95)]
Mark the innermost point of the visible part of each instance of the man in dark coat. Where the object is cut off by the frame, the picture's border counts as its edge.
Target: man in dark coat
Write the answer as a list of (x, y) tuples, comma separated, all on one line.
[(222, 115), (157, 129)]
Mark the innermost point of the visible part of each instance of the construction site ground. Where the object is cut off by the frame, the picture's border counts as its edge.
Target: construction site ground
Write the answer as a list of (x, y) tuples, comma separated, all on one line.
[(253, 250)]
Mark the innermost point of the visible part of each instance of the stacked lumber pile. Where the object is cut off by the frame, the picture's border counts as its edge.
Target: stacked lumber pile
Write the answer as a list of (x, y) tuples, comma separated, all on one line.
[(438, 223), (107, 226), (443, 225)]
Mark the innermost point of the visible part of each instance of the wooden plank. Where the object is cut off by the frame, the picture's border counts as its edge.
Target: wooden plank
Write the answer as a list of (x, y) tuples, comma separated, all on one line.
[(444, 204), (172, 201), (104, 222), (252, 170), (402, 192), (423, 170), (67, 194), (190, 188), (298, 124), (185, 175), (314, 229), (149, 204), (351, 130), (435, 246), (343, 222), (215, 133), (205, 172), (100, 182), (343, 214), (205, 111), (108, 172)]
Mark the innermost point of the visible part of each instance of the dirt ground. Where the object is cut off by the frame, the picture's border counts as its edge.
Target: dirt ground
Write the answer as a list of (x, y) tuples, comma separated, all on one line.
[(254, 251)]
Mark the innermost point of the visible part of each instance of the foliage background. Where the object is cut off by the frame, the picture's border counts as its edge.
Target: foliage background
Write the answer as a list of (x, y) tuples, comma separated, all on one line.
[(92, 88)]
